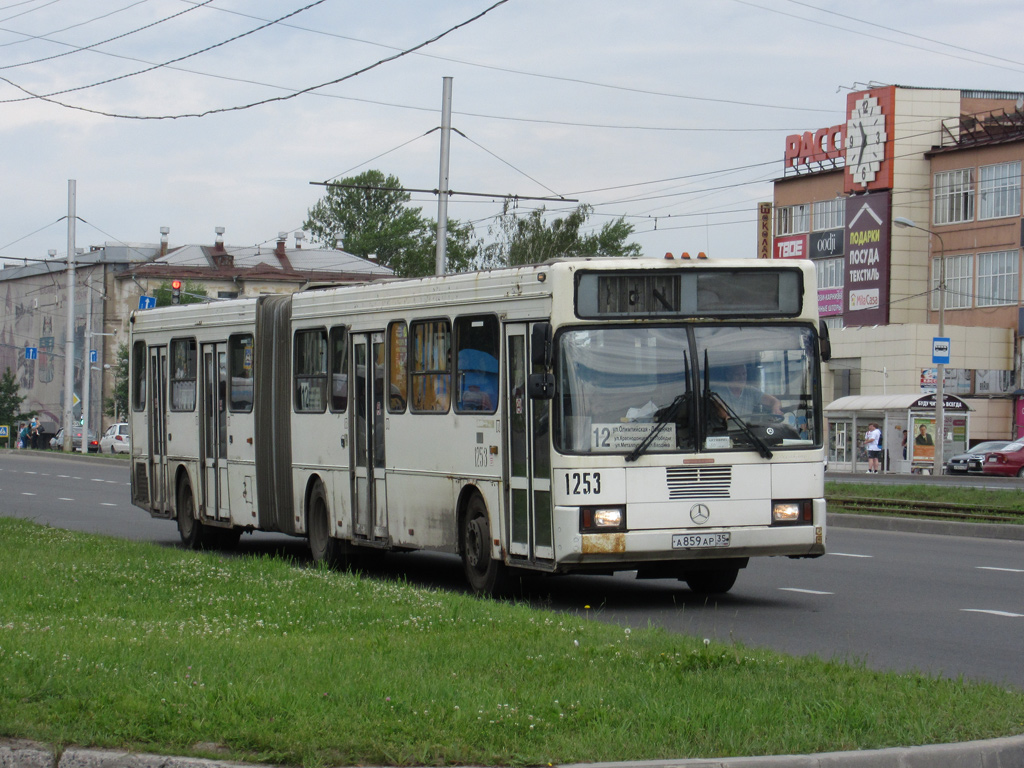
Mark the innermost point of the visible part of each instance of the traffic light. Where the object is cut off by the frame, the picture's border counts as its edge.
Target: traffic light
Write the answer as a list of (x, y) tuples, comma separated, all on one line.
[(175, 291)]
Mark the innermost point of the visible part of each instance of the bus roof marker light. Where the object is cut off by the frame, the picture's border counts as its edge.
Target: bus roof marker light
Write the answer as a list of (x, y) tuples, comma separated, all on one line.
[(702, 255), (684, 255), (669, 256)]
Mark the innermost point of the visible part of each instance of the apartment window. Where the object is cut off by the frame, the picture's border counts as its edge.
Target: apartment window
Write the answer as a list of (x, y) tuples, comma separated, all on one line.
[(959, 273), (792, 219), (830, 214), (997, 278), (310, 372), (999, 190), (830, 272), (954, 196)]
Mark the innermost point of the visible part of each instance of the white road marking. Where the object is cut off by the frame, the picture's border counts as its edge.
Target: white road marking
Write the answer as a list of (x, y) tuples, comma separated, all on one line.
[(26, 493), (805, 591), (62, 498), (1005, 570), (847, 554), (1007, 614), (107, 504)]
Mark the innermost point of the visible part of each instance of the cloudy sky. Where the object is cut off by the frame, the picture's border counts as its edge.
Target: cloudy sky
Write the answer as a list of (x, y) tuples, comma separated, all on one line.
[(672, 113)]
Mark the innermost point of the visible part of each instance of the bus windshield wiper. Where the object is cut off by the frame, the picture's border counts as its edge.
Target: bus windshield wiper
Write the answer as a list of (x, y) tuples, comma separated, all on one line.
[(664, 416), (667, 414), (762, 447), (710, 396)]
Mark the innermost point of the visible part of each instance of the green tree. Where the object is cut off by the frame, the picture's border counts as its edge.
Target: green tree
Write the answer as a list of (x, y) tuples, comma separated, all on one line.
[(531, 239), (117, 404), (370, 216), (191, 293), (10, 403)]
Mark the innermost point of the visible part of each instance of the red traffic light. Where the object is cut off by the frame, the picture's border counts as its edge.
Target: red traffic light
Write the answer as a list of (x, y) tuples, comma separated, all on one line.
[(176, 285)]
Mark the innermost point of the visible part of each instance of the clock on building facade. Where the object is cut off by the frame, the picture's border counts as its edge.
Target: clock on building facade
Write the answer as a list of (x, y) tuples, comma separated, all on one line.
[(868, 141)]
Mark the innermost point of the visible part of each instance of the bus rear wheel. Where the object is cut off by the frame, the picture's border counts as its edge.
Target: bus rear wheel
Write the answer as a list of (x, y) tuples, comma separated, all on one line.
[(325, 548), (713, 582), (191, 530), (485, 575)]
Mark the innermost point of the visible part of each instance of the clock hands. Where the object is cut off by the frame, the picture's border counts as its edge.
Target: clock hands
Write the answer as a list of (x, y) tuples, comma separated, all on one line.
[(863, 142)]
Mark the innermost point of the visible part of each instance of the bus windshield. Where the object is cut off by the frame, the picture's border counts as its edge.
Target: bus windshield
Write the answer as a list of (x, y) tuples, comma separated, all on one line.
[(686, 388)]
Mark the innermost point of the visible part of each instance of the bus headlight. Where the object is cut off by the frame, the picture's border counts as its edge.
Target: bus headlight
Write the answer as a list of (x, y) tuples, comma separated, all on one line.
[(792, 512), (602, 519)]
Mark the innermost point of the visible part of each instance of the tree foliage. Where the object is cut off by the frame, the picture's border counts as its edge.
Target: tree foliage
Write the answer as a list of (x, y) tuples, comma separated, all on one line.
[(368, 215), (532, 239), (10, 402)]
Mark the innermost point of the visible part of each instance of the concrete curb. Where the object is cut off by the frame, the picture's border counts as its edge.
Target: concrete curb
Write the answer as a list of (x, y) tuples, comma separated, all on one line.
[(938, 527), (1005, 752)]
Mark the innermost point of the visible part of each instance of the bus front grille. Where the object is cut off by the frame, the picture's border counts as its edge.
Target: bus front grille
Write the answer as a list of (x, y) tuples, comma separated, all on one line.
[(698, 482)]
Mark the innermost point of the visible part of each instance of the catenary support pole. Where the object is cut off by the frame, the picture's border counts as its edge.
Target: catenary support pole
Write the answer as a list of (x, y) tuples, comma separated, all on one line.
[(440, 258), (69, 341)]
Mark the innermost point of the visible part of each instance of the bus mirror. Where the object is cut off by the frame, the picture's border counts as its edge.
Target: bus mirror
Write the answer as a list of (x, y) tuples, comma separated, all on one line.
[(541, 386), (824, 342), (540, 344)]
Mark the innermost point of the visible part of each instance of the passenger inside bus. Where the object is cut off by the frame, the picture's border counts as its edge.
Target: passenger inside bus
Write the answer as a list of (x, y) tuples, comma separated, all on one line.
[(478, 381)]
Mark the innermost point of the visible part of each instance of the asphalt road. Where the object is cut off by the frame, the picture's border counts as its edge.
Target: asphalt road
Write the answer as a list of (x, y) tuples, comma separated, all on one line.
[(944, 605)]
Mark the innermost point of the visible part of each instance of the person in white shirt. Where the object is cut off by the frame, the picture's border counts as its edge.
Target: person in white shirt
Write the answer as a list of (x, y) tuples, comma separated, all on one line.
[(871, 439)]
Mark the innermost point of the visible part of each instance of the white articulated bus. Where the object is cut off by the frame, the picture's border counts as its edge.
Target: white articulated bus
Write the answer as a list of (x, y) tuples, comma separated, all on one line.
[(583, 415)]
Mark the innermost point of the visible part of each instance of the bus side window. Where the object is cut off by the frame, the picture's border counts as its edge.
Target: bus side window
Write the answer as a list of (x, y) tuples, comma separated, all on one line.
[(139, 376), (240, 361), (476, 363), (338, 365), (430, 366), (310, 379), (398, 368)]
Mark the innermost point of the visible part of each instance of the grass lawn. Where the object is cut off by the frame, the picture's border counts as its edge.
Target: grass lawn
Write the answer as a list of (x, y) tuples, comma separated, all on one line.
[(120, 644)]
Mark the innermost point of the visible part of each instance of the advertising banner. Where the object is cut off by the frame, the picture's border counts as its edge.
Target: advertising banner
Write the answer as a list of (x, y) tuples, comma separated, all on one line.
[(790, 247), (866, 286)]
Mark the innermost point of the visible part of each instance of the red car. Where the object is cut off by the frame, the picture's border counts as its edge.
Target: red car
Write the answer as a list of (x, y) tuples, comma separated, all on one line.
[(1007, 462)]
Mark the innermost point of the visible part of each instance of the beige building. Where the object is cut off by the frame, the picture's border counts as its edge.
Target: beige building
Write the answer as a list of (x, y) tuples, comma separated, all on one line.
[(110, 283), (949, 161)]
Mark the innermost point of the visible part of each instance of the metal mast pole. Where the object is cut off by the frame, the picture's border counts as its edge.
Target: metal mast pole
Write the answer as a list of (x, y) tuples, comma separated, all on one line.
[(87, 367), (69, 341), (440, 257)]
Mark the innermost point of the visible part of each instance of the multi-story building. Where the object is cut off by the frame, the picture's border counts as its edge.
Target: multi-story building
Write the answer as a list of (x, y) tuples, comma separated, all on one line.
[(946, 165), (110, 283)]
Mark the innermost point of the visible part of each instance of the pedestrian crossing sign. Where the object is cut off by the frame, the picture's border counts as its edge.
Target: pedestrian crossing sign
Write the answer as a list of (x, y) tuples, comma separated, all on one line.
[(5, 431)]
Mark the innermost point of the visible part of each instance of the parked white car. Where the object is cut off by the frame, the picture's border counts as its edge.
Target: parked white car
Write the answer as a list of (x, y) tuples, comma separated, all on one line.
[(116, 439)]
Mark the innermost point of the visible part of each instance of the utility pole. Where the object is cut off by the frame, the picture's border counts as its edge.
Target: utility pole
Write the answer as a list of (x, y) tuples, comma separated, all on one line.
[(440, 258), (69, 342), (87, 366)]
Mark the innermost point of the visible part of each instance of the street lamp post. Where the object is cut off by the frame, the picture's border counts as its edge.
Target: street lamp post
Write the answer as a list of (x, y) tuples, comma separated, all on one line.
[(940, 373)]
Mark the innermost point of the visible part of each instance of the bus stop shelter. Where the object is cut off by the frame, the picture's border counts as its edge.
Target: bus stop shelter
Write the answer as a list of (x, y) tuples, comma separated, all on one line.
[(908, 430)]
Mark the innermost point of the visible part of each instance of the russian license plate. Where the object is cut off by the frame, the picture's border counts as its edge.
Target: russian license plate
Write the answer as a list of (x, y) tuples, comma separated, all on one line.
[(700, 540)]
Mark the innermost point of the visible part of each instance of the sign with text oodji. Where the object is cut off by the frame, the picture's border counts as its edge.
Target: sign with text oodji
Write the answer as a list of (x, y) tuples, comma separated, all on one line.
[(866, 287)]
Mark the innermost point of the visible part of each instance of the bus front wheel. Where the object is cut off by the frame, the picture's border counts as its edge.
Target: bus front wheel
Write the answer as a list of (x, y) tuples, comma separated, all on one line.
[(713, 582), (485, 575)]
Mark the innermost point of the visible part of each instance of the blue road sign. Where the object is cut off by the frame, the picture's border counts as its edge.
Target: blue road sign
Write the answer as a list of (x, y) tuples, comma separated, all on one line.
[(940, 350), (93, 357), (147, 302), (31, 353)]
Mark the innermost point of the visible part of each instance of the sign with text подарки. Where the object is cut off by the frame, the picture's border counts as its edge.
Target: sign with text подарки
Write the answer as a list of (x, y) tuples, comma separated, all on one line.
[(866, 284)]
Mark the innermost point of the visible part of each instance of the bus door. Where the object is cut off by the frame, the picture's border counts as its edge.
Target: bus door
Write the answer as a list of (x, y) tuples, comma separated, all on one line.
[(213, 439), (529, 481), (369, 496), (160, 499)]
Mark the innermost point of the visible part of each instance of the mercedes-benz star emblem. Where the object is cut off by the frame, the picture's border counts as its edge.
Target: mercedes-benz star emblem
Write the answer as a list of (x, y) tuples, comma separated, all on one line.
[(699, 513)]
